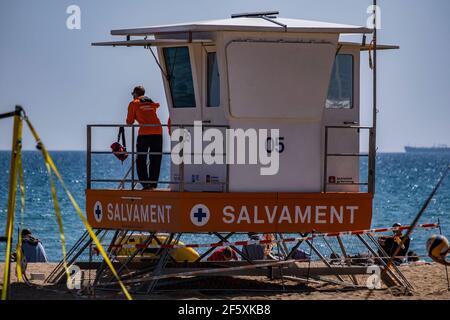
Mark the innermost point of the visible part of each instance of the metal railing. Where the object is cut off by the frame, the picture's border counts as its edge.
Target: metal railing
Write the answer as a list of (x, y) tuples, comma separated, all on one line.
[(225, 184), (370, 155), (133, 153)]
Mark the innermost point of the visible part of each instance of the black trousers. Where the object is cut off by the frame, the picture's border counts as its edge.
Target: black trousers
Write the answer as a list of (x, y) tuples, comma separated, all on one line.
[(152, 143)]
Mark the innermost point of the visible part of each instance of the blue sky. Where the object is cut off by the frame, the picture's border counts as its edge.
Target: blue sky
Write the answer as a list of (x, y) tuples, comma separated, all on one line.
[(64, 83)]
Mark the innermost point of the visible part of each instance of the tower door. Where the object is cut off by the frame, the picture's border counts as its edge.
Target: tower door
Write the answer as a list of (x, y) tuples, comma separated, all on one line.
[(213, 118), (342, 110), (183, 97), (212, 106)]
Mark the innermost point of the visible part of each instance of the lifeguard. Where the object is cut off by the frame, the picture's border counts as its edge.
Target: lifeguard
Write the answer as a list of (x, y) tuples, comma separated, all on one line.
[(143, 110)]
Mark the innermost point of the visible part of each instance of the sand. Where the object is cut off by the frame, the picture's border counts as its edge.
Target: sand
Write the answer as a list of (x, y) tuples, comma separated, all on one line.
[(429, 282)]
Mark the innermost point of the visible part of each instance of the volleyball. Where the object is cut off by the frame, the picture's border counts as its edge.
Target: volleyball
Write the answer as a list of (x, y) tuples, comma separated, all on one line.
[(437, 246)]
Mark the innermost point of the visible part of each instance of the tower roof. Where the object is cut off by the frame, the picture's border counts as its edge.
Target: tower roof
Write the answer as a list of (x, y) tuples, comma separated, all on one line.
[(246, 24)]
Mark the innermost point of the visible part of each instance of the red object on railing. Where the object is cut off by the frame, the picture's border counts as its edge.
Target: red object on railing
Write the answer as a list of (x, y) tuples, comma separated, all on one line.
[(120, 150)]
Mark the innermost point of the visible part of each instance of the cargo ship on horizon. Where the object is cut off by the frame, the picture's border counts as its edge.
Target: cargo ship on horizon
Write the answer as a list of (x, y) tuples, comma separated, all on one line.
[(441, 148)]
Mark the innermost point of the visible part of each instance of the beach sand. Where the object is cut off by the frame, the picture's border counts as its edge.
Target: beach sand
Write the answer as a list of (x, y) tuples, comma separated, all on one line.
[(429, 282)]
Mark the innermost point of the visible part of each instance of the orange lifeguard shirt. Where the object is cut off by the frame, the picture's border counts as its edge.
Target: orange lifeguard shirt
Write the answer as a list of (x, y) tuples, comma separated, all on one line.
[(143, 110)]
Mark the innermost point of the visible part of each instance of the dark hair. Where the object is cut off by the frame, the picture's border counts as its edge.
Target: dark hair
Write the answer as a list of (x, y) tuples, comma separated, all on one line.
[(228, 253), (412, 256), (26, 232), (139, 90), (334, 256)]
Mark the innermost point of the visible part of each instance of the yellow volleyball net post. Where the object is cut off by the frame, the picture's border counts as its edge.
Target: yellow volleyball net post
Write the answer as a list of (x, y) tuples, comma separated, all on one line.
[(19, 255), (14, 167)]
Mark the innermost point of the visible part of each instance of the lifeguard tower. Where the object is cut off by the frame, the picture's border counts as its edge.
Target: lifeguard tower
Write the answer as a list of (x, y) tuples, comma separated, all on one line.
[(252, 72)]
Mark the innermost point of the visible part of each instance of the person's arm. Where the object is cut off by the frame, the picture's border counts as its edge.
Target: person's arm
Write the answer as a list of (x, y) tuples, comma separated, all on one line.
[(42, 254), (245, 251), (404, 250), (131, 116), (381, 240), (389, 246)]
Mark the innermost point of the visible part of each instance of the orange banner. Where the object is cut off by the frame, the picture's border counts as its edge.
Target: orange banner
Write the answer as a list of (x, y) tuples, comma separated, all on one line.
[(174, 212)]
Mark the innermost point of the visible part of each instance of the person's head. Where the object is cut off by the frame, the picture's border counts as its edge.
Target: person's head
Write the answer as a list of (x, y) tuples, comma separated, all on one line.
[(412, 256), (397, 232), (26, 233), (228, 253), (253, 235), (334, 256), (138, 91)]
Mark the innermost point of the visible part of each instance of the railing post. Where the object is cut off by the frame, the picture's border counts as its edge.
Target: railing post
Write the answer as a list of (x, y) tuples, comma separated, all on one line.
[(371, 162), (373, 132), (325, 161), (88, 157), (132, 156), (181, 172), (227, 181), (227, 178)]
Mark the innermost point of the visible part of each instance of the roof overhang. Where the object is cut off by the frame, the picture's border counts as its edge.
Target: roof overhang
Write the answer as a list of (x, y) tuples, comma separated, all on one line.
[(148, 43), (247, 24), (367, 47), (171, 42)]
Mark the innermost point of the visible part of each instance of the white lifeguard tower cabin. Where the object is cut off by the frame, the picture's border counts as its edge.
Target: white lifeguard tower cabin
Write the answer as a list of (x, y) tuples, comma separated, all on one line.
[(258, 71)]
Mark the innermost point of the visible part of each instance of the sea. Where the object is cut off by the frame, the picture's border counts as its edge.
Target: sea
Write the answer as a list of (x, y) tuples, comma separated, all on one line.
[(403, 183)]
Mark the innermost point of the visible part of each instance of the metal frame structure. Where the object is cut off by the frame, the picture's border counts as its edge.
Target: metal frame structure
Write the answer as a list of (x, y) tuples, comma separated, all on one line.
[(371, 155), (89, 180), (133, 153), (147, 276)]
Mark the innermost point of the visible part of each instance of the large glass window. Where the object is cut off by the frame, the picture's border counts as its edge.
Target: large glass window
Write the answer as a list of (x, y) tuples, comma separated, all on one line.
[(178, 66), (213, 81), (340, 92)]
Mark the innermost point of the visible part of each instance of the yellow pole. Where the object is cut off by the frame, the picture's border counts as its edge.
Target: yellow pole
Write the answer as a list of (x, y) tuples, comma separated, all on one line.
[(15, 154)]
